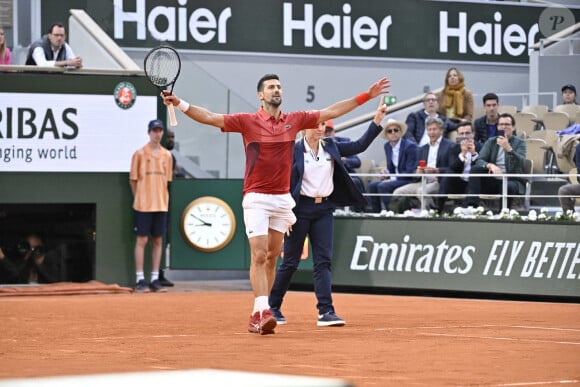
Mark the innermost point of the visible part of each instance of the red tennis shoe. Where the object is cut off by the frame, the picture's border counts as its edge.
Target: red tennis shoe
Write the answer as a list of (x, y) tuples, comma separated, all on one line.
[(264, 324)]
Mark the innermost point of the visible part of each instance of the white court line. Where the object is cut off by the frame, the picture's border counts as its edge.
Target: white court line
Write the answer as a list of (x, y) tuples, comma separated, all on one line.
[(350, 328), (547, 328), (501, 338), (537, 383), (480, 326), (136, 337)]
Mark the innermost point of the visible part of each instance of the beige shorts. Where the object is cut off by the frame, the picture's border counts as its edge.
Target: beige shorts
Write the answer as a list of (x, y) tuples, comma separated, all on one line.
[(267, 211)]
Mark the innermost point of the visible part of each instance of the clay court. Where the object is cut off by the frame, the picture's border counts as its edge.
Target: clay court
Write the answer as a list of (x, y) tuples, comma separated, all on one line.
[(388, 340)]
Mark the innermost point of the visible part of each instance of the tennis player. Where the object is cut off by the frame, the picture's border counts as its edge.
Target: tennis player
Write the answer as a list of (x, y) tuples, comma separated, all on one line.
[(269, 137)]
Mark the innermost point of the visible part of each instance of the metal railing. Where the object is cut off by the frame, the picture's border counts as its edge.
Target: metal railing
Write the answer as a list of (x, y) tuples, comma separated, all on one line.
[(530, 178)]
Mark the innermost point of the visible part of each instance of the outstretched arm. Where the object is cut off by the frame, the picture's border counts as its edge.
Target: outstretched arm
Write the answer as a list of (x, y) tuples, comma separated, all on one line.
[(342, 107), (353, 147), (196, 113)]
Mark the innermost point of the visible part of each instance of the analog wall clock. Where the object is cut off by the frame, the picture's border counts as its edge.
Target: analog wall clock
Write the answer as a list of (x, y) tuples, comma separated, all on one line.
[(208, 224)]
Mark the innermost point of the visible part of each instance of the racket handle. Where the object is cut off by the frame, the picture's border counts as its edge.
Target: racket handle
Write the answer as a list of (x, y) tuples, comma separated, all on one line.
[(172, 119)]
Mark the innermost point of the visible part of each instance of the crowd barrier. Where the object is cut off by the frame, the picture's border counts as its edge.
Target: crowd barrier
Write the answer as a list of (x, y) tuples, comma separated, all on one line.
[(560, 179)]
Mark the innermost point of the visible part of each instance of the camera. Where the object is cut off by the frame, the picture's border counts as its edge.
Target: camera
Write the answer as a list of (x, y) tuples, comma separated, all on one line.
[(501, 133), (37, 251), (23, 247), (460, 139)]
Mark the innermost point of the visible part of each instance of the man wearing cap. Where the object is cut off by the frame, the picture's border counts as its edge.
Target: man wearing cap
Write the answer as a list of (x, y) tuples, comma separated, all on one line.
[(151, 173), (401, 156), (569, 95)]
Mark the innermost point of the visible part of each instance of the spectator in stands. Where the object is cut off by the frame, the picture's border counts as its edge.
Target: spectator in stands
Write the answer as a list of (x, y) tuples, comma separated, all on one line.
[(32, 263), (150, 175), (52, 50), (5, 55), (462, 157), (433, 159), (401, 157), (486, 126), (567, 192), (416, 121), (502, 154), (455, 101), (569, 95), (351, 163)]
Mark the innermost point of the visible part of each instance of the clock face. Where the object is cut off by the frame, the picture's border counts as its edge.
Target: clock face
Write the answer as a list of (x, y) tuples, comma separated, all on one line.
[(208, 224)]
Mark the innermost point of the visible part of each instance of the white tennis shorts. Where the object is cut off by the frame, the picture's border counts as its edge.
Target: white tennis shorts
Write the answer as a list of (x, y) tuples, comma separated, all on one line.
[(265, 211)]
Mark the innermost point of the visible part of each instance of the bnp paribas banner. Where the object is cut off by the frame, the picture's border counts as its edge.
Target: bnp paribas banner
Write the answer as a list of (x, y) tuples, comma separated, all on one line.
[(410, 29), (73, 123), (474, 256)]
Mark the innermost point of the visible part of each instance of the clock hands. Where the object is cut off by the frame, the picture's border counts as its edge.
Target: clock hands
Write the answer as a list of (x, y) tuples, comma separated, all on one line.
[(203, 222)]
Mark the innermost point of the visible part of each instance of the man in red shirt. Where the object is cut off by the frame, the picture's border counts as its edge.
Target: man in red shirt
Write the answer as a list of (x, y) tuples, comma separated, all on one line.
[(269, 136)]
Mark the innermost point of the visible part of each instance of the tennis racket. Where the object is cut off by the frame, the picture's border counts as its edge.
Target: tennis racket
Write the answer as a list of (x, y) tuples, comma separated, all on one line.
[(162, 66)]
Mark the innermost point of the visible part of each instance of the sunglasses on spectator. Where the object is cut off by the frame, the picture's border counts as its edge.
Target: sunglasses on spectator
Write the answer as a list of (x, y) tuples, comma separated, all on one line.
[(396, 130), (430, 99)]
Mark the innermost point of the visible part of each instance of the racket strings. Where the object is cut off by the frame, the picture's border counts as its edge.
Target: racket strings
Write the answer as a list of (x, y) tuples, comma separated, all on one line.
[(162, 67)]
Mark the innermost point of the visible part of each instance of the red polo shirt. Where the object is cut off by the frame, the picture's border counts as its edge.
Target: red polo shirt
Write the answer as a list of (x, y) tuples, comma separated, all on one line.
[(269, 146)]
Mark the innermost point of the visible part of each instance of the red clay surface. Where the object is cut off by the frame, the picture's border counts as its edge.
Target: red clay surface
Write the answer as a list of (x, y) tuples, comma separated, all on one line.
[(388, 340)]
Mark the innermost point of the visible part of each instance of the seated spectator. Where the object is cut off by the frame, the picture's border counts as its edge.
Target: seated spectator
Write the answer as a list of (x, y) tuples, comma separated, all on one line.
[(486, 126), (30, 264), (416, 121), (52, 50), (462, 157), (5, 55), (455, 101), (401, 157), (505, 153), (569, 95), (433, 159), (567, 192)]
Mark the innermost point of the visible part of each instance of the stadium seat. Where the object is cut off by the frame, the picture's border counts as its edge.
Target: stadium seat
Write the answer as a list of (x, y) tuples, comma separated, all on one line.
[(525, 123), (536, 151), (366, 166), (541, 148), (555, 121), (511, 109), (573, 175), (528, 170), (571, 110), (538, 110)]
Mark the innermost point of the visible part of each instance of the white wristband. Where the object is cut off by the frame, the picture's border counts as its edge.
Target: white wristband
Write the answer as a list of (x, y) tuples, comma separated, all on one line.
[(183, 106)]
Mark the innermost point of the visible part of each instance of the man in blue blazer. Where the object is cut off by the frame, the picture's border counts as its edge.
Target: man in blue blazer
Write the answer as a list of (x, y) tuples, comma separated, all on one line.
[(462, 157), (319, 183), (401, 157), (416, 121), (433, 159)]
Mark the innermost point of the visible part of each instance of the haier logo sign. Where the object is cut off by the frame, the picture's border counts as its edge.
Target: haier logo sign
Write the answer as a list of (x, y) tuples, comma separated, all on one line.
[(411, 29), (202, 24), (484, 38)]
